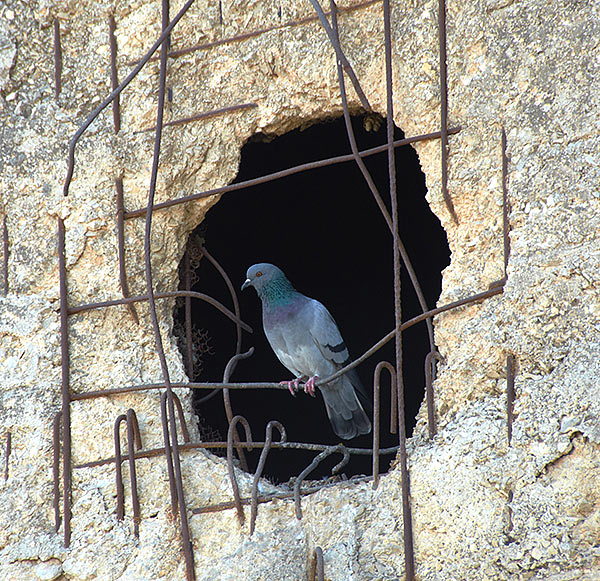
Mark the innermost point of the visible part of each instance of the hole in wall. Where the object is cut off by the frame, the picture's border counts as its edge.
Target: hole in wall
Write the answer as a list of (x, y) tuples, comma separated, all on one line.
[(324, 229)]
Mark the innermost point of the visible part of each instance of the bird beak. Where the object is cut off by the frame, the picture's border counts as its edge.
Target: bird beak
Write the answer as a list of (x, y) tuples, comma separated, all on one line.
[(246, 284)]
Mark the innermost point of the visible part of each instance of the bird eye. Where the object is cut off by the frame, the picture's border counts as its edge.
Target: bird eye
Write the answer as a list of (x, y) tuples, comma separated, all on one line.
[(259, 273)]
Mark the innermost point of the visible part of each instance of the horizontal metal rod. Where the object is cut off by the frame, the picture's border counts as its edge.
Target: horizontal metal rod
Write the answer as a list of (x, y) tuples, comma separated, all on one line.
[(288, 172), (276, 496), (268, 385), (171, 294), (251, 445)]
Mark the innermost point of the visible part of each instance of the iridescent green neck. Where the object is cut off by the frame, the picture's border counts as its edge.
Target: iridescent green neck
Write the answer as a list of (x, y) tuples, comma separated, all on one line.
[(277, 292)]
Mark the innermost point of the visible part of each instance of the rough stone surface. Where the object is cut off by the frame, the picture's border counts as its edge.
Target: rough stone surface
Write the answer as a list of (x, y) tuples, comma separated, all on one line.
[(481, 509)]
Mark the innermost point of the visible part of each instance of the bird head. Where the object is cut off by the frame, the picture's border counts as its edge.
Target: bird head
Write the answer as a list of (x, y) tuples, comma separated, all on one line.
[(262, 275)]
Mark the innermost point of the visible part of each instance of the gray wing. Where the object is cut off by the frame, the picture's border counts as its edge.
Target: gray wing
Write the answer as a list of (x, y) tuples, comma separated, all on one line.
[(327, 336)]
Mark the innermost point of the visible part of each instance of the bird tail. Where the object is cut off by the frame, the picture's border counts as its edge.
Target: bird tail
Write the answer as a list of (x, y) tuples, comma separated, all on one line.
[(346, 414)]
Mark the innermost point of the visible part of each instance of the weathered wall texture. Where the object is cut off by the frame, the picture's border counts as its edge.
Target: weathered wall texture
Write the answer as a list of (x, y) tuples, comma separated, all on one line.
[(481, 509)]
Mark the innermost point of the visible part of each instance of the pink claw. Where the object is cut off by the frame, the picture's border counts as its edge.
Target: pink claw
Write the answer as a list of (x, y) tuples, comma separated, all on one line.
[(309, 386), (293, 385)]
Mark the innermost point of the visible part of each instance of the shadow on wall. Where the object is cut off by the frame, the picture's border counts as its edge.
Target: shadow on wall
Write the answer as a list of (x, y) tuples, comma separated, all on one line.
[(324, 229)]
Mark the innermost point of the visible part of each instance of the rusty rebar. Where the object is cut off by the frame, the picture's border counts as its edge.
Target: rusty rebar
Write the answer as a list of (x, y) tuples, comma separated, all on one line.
[(121, 248), (166, 436), (398, 245), (201, 116), (189, 347), (229, 368), (258, 32), (510, 394), (334, 39), (57, 59), (153, 452), (114, 75), (288, 172), (65, 380), (115, 93), (56, 469), (261, 465), (266, 385), (133, 441), (409, 560), (317, 566), (234, 485), (377, 412), (430, 367), (228, 505), (166, 295), (176, 476), (328, 451), (4, 257), (444, 107)]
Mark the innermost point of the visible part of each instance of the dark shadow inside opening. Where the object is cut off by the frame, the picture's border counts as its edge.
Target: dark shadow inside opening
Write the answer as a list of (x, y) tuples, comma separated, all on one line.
[(324, 229)]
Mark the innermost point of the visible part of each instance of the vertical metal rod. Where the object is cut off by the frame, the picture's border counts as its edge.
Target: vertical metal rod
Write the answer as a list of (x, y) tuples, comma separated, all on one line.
[(133, 441), (430, 366), (510, 394), (118, 469), (377, 414), (114, 77), (188, 317), (444, 107), (164, 417), (185, 532), (234, 485), (260, 467), (334, 39), (317, 567), (65, 377), (57, 59), (121, 247), (371, 184), (4, 257), (56, 469), (406, 509), (505, 205)]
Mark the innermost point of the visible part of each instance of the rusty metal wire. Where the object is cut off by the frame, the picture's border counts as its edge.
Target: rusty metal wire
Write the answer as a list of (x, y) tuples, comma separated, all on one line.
[(121, 246), (58, 65), (234, 485), (65, 384), (444, 107), (430, 371), (114, 75), (317, 566), (376, 412), (134, 440), (4, 257), (510, 394), (328, 451), (56, 469), (288, 172), (261, 465)]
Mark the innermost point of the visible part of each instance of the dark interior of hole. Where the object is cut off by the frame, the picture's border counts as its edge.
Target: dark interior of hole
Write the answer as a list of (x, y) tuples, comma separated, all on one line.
[(324, 229)]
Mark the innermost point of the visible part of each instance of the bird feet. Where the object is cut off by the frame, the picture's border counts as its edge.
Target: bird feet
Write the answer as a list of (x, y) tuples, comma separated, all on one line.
[(309, 386), (293, 385)]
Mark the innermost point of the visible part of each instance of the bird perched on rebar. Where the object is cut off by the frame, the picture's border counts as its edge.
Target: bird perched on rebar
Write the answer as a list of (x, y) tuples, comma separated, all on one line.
[(307, 341)]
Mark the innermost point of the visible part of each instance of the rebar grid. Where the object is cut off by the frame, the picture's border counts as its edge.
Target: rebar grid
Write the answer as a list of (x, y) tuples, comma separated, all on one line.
[(171, 409)]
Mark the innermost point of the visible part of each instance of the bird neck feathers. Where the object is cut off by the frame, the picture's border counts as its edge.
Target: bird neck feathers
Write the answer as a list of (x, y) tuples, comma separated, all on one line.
[(278, 292)]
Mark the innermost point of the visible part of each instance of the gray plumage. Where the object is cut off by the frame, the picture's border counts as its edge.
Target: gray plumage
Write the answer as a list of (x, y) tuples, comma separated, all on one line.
[(307, 341)]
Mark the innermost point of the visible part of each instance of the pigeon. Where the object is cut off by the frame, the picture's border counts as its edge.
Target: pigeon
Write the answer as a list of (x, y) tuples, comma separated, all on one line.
[(306, 339)]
